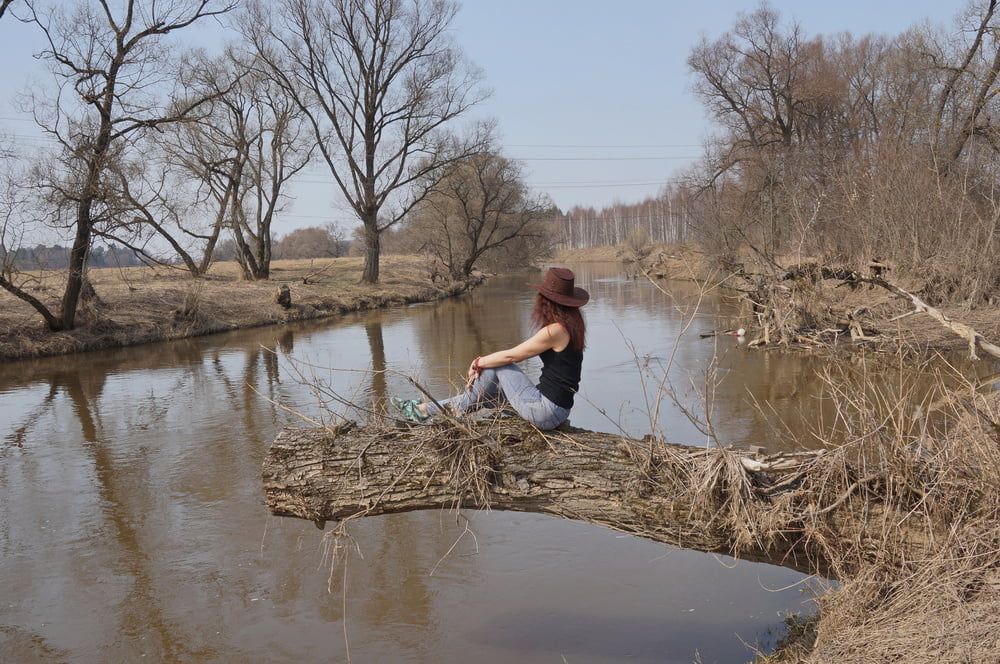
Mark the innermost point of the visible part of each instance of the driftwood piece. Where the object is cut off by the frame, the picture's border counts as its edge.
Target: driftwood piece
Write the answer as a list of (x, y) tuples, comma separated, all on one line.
[(639, 487), (975, 340)]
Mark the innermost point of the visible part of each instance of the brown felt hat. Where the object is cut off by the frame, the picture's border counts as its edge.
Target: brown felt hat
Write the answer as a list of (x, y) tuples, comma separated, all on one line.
[(558, 287)]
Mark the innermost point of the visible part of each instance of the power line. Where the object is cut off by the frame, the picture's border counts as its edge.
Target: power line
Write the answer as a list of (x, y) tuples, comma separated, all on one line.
[(607, 184), (42, 139), (664, 158), (581, 145)]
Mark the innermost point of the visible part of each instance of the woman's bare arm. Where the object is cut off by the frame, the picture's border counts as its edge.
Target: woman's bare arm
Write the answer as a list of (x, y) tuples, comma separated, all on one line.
[(550, 336)]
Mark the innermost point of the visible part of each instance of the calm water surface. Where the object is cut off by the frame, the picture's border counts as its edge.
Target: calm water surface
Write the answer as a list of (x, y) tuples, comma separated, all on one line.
[(132, 524)]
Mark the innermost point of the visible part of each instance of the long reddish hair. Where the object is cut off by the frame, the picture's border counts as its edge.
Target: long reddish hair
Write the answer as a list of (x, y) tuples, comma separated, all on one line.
[(547, 312)]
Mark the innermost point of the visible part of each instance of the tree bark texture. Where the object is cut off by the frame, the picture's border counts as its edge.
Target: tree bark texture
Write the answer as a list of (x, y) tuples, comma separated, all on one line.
[(634, 486), (370, 273)]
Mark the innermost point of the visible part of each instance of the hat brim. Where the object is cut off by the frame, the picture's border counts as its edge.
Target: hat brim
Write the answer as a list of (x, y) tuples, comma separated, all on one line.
[(579, 298)]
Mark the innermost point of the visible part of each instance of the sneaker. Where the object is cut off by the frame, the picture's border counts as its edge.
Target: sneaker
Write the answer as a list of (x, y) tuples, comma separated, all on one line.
[(408, 408)]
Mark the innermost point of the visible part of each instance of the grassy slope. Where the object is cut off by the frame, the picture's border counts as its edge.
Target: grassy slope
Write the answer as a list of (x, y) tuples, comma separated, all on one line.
[(142, 304)]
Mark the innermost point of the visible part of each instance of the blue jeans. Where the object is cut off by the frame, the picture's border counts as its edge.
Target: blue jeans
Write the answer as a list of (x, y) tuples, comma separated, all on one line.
[(495, 386)]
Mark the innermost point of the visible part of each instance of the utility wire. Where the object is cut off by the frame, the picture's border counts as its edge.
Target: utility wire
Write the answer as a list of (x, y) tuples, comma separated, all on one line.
[(609, 184), (582, 145)]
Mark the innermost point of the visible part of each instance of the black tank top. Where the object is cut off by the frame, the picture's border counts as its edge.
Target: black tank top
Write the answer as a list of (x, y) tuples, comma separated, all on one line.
[(560, 377)]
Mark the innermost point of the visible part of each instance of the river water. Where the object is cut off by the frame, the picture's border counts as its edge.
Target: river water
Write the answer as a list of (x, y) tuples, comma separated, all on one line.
[(132, 524)]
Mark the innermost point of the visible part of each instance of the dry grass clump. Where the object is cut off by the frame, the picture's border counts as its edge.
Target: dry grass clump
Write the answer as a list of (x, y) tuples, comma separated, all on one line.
[(920, 558), (801, 306)]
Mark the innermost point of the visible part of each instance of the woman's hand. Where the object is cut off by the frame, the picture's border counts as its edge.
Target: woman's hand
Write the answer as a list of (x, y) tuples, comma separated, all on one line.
[(474, 371)]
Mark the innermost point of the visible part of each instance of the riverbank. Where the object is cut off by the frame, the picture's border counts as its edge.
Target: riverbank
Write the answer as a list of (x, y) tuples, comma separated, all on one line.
[(587, 255), (937, 603), (808, 312), (141, 305), (666, 261)]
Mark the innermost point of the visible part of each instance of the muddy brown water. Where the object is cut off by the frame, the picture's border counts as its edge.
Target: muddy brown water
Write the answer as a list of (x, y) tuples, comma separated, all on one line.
[(132, 525)]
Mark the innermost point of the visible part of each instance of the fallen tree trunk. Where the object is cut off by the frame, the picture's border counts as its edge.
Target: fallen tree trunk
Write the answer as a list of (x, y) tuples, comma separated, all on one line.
[(757, 507)]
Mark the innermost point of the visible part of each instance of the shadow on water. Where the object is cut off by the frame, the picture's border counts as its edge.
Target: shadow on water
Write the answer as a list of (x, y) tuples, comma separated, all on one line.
[(132, 520)]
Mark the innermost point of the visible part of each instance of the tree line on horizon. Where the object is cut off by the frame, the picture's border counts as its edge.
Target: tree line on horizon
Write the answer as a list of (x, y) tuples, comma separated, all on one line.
[(302, 243)]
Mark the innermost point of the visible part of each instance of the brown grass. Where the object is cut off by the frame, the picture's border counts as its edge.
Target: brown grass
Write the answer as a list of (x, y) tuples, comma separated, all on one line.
[(145, 304), (587, 255), (921, 575)]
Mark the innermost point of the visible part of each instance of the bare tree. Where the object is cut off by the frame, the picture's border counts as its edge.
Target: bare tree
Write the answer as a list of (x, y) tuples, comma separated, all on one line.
[(110, 65), (481, 205), (955, 73), (158, 205), (209, 153), (858, 150), (378, 81), (278, 146), (972, 117), (244, 152)]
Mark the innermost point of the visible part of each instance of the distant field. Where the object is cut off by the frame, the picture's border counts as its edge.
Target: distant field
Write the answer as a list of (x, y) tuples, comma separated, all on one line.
[(143, 304), (587, 255)]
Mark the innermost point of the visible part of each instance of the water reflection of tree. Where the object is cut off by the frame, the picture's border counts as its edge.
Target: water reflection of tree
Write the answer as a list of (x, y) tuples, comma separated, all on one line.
[(128, 487), (453, 332), (399, 586), (118, 488), (376, 344)]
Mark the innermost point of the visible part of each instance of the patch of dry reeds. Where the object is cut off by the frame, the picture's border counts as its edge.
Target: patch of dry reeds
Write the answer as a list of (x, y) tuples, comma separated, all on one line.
[(920, 482)]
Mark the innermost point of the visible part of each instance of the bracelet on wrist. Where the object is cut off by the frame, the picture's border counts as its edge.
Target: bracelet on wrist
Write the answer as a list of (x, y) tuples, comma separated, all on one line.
[(475, 364)]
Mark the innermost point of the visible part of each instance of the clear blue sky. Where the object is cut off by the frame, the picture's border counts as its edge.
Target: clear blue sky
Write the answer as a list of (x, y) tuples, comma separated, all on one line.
[(569, 73)]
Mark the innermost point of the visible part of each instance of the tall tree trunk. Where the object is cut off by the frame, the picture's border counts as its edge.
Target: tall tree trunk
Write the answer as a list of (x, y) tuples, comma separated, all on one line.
[(77, 265), (206, 258), (372, 250), (264, 248)]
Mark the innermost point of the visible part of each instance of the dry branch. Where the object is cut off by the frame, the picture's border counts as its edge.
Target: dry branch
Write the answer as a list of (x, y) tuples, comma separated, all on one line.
[(974, 338), (796, 317)]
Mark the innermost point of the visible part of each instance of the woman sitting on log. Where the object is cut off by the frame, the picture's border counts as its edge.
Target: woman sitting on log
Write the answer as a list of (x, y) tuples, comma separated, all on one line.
[(495, 378)]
